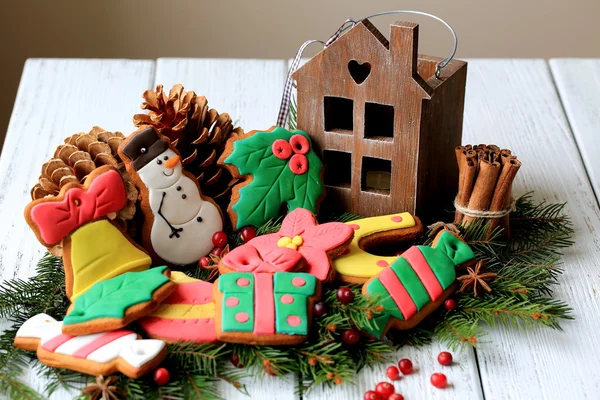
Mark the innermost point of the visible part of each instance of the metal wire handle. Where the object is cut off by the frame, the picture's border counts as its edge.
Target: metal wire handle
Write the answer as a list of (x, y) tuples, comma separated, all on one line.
[(284, 108)]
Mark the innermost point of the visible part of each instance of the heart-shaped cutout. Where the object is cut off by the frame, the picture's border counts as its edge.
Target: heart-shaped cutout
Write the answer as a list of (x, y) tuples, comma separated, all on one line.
[(359, 72)]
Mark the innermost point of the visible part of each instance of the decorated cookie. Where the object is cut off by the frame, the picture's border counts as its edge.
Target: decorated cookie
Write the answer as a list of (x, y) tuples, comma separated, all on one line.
[(358, 265), (102, 353), (247, 258), (278, 167), (417, 282), (94, 248), (186, 315), (179, 221), (265, 308), (116, 302), (300, 232)]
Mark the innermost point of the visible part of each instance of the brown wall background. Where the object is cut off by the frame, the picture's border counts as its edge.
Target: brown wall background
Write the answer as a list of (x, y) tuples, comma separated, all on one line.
[(149, 29)]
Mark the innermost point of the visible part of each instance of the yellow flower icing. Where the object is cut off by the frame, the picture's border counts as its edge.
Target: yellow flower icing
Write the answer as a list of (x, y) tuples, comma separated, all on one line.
[(100, 251), (361, 264), (284, 241), (297, 240)]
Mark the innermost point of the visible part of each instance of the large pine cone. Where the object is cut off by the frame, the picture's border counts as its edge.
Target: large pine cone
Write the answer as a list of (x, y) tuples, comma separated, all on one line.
[(198, 133), (80, 155)]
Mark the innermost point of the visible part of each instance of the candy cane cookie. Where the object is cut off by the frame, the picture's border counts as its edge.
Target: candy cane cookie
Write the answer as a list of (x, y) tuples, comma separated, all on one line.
[(102, 353), (358, 265)]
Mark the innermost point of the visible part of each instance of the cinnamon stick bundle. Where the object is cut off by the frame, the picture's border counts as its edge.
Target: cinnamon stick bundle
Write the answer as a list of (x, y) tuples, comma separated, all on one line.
[(486, 174)]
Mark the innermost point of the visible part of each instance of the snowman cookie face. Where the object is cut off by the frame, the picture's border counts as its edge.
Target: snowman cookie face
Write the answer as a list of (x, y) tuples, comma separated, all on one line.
[(162, 172)]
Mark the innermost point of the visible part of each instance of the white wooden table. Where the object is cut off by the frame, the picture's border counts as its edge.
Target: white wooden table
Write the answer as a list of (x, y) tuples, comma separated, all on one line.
[(547, 112)]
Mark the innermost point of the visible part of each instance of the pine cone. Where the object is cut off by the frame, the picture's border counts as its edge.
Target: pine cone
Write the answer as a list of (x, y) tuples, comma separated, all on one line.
[(80, 155), (198, 133)]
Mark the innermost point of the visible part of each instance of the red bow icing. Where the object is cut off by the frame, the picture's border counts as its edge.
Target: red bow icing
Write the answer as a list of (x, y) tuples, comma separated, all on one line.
[(246, 258), (57, 219)]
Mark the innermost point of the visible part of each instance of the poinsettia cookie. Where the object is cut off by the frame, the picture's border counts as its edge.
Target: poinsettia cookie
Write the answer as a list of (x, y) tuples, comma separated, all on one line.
[(299, 240), (278, 167), (179, 221), (94, 248)]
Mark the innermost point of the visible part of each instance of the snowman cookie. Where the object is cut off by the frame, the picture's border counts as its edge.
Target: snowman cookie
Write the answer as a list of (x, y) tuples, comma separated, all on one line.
[(179, 221)]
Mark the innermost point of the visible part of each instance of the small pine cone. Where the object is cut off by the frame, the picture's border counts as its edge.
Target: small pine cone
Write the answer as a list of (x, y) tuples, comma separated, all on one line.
[(77, 157), (198, 132)]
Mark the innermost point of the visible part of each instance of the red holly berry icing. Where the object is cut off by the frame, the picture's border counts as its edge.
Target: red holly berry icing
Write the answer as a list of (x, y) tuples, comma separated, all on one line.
[(281, 149), (299, 164), (299, 144)]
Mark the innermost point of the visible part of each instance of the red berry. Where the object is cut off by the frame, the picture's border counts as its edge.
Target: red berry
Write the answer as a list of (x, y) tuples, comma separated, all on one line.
[(450, 304), (392, 372), (319, 309), (351, 336), (248, 233), (219, 239), (384, 389), (235, 360), (204, 262), (396, 396), (445, 358), (162, 376), (345, 295), (371, 395), (406, 366), (439, 380), (217, 251)]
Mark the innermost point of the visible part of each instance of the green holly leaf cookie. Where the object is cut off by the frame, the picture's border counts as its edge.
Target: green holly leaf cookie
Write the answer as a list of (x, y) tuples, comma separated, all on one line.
[(292, 175), (111, 298)]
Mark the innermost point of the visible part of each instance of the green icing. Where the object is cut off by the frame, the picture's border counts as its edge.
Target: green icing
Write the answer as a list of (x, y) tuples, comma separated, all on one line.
[(454, 248), (112, 297), (296, 308), (283, 283), (273, 183), (245, 294), (378, 325), (411, 282), (441, 265), (384, 298)]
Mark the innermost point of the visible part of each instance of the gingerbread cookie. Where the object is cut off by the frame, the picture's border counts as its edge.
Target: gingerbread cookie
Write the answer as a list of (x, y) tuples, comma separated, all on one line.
[(278, 167), (417, 283), (299, 232), (103, 353), (265, 308), (77, 218), (116, 302), (358, 265), (179, 221), (187, 314)]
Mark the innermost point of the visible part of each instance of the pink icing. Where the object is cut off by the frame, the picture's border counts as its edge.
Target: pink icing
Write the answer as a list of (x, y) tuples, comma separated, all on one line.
[(354, 226), (298, 282), (232, 302), (94, 345), (397, 218), (293, 320), (264, 306), (243, 282), (246, 258), (56, 341), (287, 299), (191, 293), (188, 330), (382, 263), (242, 317)]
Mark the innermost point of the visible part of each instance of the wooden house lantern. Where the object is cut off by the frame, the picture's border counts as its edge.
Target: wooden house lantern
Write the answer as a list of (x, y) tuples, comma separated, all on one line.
[(383, 123)]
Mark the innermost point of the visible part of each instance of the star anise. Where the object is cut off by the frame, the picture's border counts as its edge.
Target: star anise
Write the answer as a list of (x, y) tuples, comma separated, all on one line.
[(442, 226), (475, 277), (104, 389)]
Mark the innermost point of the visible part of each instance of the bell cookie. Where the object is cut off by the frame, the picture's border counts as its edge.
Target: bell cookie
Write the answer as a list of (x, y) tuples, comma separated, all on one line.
[(179, 221), (358, 265), (116, 302), (264, 308), (278, 167), (186, 315), (77, 218), (417, 283), (102, 353)]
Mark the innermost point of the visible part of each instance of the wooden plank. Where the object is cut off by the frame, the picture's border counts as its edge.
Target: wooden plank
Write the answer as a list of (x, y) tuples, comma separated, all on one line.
[(578, 84), (514, 104), (250, 91), (56, 98)]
